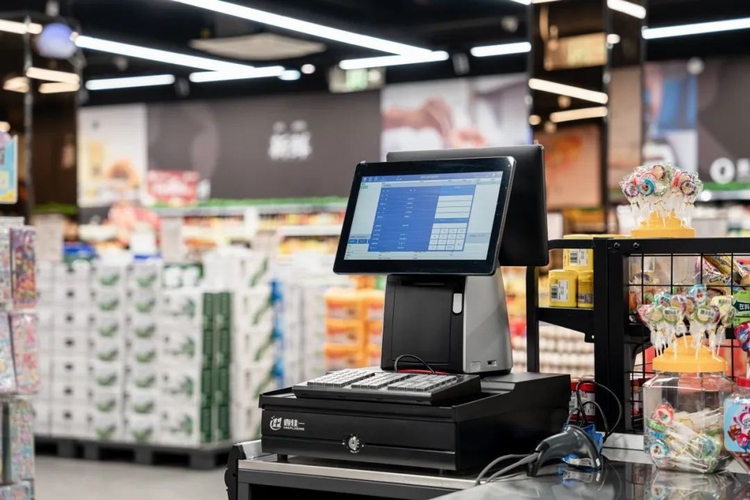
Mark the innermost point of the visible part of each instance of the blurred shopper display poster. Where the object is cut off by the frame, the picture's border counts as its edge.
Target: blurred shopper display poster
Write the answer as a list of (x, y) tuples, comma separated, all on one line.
[(172, 187), (459, 113), (723, 122), (295, 145), (698, 114), (625, 126), (112, 154), (8, 170), (573, 166), (671, 97)]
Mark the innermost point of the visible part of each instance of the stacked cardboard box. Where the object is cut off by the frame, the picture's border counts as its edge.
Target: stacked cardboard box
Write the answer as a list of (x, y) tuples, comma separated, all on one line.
[(354, 325), (243, 321), (65, 312)]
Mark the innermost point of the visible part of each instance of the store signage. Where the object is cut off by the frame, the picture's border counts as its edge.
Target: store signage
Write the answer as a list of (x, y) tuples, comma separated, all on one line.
[(172, 187), (355, 80), (8, 169), (724, 170), (290, 142)]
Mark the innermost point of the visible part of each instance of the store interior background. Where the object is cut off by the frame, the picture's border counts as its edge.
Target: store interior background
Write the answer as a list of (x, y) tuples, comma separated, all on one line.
[(193, 169)]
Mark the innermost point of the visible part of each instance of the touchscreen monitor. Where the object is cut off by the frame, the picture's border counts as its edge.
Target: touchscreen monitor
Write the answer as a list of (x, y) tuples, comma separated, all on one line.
[(438, 217)]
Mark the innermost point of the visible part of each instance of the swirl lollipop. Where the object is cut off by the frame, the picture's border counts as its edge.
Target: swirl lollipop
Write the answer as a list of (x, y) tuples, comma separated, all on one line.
[(680, 302), (652, 316), (725, 305), (707, 318)]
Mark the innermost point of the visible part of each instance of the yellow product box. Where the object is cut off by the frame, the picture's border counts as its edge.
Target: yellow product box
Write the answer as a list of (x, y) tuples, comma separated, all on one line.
[(339, 357), (585, 293), (563, 288), (373, 355), (345, 332), (344, 303), (374, 331), (373, 304), (578, 259)]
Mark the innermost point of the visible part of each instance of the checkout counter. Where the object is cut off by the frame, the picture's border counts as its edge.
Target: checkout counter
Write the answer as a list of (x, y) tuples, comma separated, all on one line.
[(437, 230), (628, 474)]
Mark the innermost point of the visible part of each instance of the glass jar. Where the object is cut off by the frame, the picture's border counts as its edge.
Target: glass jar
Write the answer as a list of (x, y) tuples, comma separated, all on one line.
[(684, 410), (737, 423)]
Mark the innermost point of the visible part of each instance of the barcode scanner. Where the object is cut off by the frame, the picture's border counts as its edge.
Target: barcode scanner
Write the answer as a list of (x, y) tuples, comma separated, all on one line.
[(573, 440)]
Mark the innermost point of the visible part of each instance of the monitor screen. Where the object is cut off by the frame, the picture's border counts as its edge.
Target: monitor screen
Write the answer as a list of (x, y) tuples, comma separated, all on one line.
[(440, 212)]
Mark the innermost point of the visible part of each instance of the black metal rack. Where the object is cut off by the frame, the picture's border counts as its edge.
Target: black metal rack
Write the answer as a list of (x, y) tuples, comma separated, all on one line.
[(612, 325)]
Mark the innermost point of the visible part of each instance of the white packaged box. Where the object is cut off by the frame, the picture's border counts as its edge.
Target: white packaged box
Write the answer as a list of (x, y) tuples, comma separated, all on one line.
[(184, 305), (69, 391), (142, 352), (106, 400), (184, 426), (181, 347), (67, 367), (248, 383), (77, 319), (69, 420), (104, 374), (109, 276), (246, 423), (186, 386), (142, 401), (110, 300), (145, 275), (142, 376), (105, 426), (140, 428), (108, 325), (252, 307), (70, 296), (110, 350), (69, 343), (143, 302), (42, 417), (254, 345), (142, 326)]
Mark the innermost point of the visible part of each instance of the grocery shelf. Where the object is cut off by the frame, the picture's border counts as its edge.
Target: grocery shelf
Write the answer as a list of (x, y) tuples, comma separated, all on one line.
[(309, 231), (580, 320), (240, 209)]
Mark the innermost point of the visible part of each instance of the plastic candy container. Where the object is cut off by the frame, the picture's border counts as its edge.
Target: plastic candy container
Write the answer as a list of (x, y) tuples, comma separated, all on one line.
[(737, 423), (684, 410)]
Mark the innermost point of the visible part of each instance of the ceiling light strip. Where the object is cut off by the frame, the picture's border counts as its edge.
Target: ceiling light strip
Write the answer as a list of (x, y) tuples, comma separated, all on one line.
[(20, 28), (57, 88), (130, 82), (53, 75), (164, 56), (223, 76), (568, 90), (629, 8), (502, 49), (383, 61), (696, 29), (578, 114), (306, 27)]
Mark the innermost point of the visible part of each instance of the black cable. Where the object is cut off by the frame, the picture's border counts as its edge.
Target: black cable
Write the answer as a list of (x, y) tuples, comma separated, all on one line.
[(601, 412), (611, 431), (494, 463), (395, 363), (523, 461)]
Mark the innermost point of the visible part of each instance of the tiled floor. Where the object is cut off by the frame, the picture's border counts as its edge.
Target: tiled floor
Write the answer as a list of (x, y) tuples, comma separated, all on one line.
[(84, 480)]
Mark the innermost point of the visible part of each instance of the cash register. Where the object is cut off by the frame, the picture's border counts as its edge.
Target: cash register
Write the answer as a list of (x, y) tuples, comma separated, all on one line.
[(444, 396)]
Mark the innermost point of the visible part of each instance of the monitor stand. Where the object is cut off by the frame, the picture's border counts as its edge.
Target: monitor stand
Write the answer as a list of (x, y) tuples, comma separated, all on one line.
[(456, 324)]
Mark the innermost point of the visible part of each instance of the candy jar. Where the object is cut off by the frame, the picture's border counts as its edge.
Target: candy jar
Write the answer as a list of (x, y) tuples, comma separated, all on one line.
[(683, 410), (737, 423)]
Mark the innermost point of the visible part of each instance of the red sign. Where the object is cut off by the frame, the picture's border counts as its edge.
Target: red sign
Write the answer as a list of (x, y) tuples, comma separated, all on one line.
[(172, 187)]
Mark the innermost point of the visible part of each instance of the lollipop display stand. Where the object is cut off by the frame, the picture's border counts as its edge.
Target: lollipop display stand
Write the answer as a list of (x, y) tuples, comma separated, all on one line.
[(630, 273)]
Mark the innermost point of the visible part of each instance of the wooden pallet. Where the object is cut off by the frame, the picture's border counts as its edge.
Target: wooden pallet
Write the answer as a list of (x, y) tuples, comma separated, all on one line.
[(207, 457)]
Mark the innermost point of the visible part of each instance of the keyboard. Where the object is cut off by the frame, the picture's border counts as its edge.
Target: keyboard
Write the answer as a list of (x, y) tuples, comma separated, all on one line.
[(370, 385)]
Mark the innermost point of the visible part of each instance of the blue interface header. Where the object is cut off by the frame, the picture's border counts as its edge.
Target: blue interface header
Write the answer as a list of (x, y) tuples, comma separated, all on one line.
[(427, 177)]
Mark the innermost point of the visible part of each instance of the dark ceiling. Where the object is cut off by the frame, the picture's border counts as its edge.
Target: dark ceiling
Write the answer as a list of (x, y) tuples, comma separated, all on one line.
[(452, 25)]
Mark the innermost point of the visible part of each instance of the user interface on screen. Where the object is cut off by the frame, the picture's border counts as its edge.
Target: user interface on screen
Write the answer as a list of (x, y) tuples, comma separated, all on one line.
[(424, 217)]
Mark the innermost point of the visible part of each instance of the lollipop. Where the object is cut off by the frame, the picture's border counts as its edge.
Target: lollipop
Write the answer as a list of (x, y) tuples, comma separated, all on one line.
[(652, 316), (725, 304), (680, 302), (707, 318)]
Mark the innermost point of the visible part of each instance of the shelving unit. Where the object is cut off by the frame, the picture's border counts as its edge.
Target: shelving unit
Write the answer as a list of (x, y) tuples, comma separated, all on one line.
[(616, 333)]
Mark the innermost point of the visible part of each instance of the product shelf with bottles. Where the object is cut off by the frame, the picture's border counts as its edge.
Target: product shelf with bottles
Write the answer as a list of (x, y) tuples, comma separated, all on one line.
[(628, 273)]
